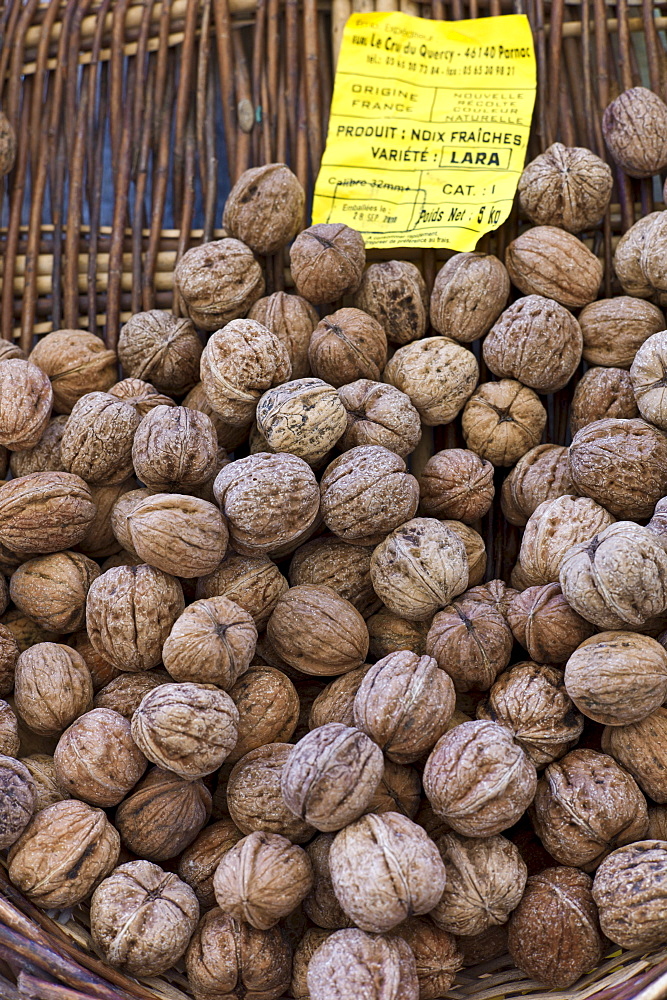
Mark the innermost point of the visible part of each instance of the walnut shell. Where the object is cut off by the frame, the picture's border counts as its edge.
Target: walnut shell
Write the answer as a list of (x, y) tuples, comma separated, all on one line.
[(45, 456), (25, 633), (652, 253), (52, 687), (502, 421), (17, 800), (394, 293), (485, 882), (143, 396), (63, 854), (617, 677), (43, 773), (161, 349), (229, 437), (7, 145), (163, 814), (543, 473), (254, 795), (399, 790), (26, 400), (437, 374), (218, 282), (268, 706), (331, 562), (389, 633), (198, 862), (615, 329), (44, 512), (123, 694), (548, 261), (97, 441), (483, 947), (321, 905), (627, 261), (292, 320), (347, 345), (102, 670), (76, 362), (602, 393), (335, 703), (554, 934), (265, 208), (212, 642), (96, 759), (304, 417), (174, 448), (647, 375), (629, 892), (179, 534), (327, 262), (401, 874), (9, 732), (436, 955), (379, 414), (641, 748), (52, 589), (478, 779), (472, 642), (252, 583), (469, 293), (634, 127), (457, 484), (475, 550), (351, 964), (566, 186), (419, 567), (303, 952), (545, 625)]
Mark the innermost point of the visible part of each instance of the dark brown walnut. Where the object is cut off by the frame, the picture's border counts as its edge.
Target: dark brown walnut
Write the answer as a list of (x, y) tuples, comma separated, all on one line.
[(327, 262), (7, 145), (482, 947), (502, 421), (26, 633), (77, 363), (97, 760), (629, 891), (545, 625), (265, 207), (9, 732), (292, 320), (331, 776), (351, 964), (262, 878), (394, 293), (303, 952), (554, 934), (52, 686), (457, 484), (162, 815), (318, 632), (615, 329), (268, 706), (379, 414), (543, 473), (345, 568), (335, 703), (43, 773), (304, 418), (97, 442), (437, 374), (472, 642), (566, 186), (365, 493), (436, 956), (478, 779), (617, 678), (268, 501), (174, 448), (227, 959), (52, 589), (26, 400), (641, 748), (123, 694), (17, 800), (469, 293), (548, 261), (485, 882), (63, 854), (45, 456), (347, 345), (254, 797), (179, 534), (143, 396), (213, 642), (657, 822), (634, 127), (229, 437), (585, 806), (535, 341), (198, 862), (475, 549), (162, 349), (627, 261), (603, 393), (530, 701), (389, 633), (4, 594), (402, 873), (647, 380), (404, 703), (142, 918), (321, 905), (102, 670), (218, 282), (186, 728), (419, 567), (399, 791)]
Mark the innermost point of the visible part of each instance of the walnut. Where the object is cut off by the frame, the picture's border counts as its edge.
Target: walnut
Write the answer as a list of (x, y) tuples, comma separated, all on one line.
[(535, 341), (389, 633), (469, 293), (602, 393), (268, 501), (212, 642), (52, 687), (402, 873), (335, 703), (334, 563), (419, 567), (252, 583), (502, 421), (347, 345), (548, 261), (76, 362), (102, 671), (142, 918), (161, 349), (404, 704), (26, 399), (43, 773), (327, 262), (292, 320), (179, 534), (7, 145), (554, 527), (226, 959), (229, 436), (634, 128), (265, 208), (618, 578), (97, 442), (351, 964), (254, 795), (585, 806), (617, 677), (44, 512), (19, 633), (475, 549), (174, 448), (321, 905), (52, 589), (482, 947), (218, 282), (478, 779), (199, 861), (379, 414), (304, 418), (9, 733), (627, 265), (130, 612), (63, 854), (554, 934), (45, 456), (437, 374), (436, 955), (543, 473), (143, 396), (394, 293), (17, 800), (303, 952), (457, 484), (186, 728), (96, 759), (615, 329), (566, 186), (629, 892), (651, 260), (472, 642), (318, 632), (163, 814), (399, 790), (485, 882), (657, 822), (641, 748), (647, 375), (545, 625)]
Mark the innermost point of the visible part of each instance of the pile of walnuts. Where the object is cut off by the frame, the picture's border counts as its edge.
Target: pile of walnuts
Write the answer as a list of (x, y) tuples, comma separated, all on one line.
[(264, 714)]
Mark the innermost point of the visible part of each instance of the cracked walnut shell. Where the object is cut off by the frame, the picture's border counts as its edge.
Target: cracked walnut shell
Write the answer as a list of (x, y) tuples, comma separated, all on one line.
[(97, 760), (437, 374), (162, 349), (351, 964), (26, 400), (502, 421), (318, 632), (379, 414), (163, 814), (212, 642), (218, 282), (566, 186), (327, 262), (469, 293), (634, 126), (347, 345), (550, 262), (394, 293), (629, 889), (265, 207)]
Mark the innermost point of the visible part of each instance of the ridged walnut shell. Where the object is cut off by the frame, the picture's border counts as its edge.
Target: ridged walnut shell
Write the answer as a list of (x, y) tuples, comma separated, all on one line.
[(143, 396), (602, 393), (379, 414), (178, 534), (436, 955), (641, 748), (335, 703), (77, 362), (327, 262), (45, 456), (123, 694), (351, 964), (17, 800), (52, 687), (634, 128), (347, 345), (52, 589), (252, 583), (321, 905), (346, 568), (469, 293), (615, 329), (456, 483), (161, 349), (213, 642), (437, 374), (502, 421), (9, 732), (163, 814), (43, 774), (292, 320), (218, 282), (550, 262), (394, 293), (44, 512), (566, 186), (317, 631), (472, 642), (543, 473), (26, 400), (627, 260), (629, 890), (545, 625), (304, 418), (174, 448), (97, 760), (264, 209), (552, 529), (199, 861), (97, 442), (647, 376), (268, 706), (254, 795), (390, 633)]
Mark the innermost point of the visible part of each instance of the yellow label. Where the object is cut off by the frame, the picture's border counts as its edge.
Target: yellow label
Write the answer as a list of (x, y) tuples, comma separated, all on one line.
[(428, 130)]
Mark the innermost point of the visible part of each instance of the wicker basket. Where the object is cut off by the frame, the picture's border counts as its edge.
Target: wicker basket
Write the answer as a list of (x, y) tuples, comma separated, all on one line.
[(134, 117)]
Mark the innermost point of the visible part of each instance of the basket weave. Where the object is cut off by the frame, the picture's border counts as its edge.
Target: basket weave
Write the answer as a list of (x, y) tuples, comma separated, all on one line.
[(133, 120)]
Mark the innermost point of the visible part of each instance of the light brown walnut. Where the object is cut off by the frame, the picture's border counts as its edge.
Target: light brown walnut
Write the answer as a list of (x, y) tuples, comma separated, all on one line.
[(26, 401), (124, 693), (9, 731), (475, 550), (456, 483), (651, 260), (394, 293), (25, 633), (179, 534), (198, 862), (218, 282), (345, 568), (252, 583), (548, 261), (17, 800), (45, 456), (268, 706), (304, 418), (229, 436), (265, 208), (97, 442), (630, 895), (379, 414), (554, 527), (174, 449), (163, 814), (647, 374), (472, 642), (469, 293), (213, 642), (52, 687), (437, 374), (76, 362), (543, 473), (43, 773), (335, 703), (634, 127), (100, 540), (44, 512), (97, 760), (321, 905), (254, 796), (143, 396), (641, 748), (566, 186), (600, 394), (502, 421), (161, 349), (292, 320), (327, 262), (52, 589), (545, 625), (318, 632), (351, 964), (347, 345), (399, 790), (303, 952), (627, 265)]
